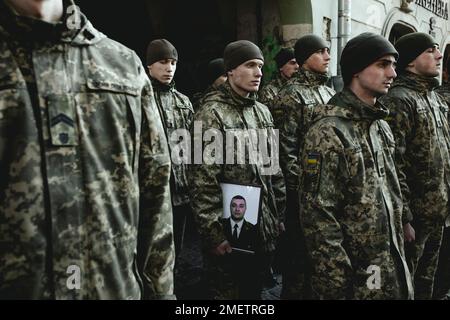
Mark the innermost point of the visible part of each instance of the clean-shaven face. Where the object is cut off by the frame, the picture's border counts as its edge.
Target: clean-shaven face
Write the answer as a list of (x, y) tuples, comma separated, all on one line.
[(319, 61), (377, 78), (246, 77), (289, 68), (163, 70), (428, 64)]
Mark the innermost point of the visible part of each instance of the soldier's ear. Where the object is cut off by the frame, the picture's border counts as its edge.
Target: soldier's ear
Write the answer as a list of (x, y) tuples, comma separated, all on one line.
[(411, 66)]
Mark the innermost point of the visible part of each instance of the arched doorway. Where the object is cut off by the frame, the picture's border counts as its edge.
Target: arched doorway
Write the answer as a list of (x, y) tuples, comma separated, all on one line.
[(397, 24), (399, 29), (296, 19)]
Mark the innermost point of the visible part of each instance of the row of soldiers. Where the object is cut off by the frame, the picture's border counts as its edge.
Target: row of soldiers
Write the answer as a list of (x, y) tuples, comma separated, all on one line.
[(92, 199), (333, 157), (364, 170)]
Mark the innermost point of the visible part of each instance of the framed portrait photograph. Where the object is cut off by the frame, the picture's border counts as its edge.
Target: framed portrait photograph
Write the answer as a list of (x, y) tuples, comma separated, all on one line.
[(241, 209)]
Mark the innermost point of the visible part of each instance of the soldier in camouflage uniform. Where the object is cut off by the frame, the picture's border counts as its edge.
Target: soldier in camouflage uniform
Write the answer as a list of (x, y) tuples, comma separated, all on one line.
[(351, 203), (420, 126), (287, 67), (233, 108), (176, 112), (444, 89), (292, 112), (85, 207), (216, 76), (441, 288)]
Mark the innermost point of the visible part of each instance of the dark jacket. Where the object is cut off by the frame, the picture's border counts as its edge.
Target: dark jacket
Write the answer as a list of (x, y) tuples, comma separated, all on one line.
[(247, 237)]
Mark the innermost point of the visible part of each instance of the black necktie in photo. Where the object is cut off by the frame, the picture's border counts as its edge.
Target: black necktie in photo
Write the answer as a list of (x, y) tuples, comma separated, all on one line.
[(235, 235)]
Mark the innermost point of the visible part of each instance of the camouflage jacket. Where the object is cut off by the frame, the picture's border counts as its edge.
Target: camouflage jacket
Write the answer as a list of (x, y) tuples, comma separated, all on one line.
[(85, 208), (444, 91), (351, 203), (226, 112), (292, 112), (176, 112), (199, 96), (421, 130), (269, 91)]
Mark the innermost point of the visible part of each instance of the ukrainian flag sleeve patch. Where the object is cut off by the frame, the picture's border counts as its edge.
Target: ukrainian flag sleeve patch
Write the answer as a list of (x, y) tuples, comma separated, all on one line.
[(312, 172)]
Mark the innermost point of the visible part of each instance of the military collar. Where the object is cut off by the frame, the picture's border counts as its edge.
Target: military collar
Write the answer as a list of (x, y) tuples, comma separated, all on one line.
[(30, 29), (236, 98), (72, 28), (279, 79), (416, 82), (359, 109), (158, 86), (310, 78)]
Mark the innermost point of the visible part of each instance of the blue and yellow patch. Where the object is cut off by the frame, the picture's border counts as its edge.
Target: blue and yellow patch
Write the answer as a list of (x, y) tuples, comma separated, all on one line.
[(312, 172), (313, 158)]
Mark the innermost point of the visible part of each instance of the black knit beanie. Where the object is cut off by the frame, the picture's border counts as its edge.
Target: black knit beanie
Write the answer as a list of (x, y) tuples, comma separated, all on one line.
[(412, 45), (362, 51), (306, 46), (160, 49), (238, 52), (284, 56), (216, 69)]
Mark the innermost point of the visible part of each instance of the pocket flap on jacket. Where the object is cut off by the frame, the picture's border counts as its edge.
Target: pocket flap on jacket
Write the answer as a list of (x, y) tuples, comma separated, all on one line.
[(99, 84)]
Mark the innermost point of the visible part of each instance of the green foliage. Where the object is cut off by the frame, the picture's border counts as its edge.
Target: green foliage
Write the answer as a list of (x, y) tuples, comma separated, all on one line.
[(270, 49)]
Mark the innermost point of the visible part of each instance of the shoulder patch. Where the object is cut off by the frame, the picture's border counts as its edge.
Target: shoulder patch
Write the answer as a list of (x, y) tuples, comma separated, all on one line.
[(312, 172), (307, 96)]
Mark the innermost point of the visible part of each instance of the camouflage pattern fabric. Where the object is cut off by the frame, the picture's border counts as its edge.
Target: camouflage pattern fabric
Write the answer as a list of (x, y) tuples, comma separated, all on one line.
[(444, 91), (442, 277), (176, 112), (199, 97), (84, 167), (423, 258), (420, 125), (269, 92), (224, 110), (441, 289), (293, 109), (351, 203)]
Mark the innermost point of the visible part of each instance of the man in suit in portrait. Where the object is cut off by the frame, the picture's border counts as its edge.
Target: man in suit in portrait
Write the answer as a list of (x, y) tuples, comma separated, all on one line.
[(242, 264), (240, 232)]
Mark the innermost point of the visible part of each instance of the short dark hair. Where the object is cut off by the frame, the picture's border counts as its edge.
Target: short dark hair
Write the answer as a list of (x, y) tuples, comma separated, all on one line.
[(239, 197)]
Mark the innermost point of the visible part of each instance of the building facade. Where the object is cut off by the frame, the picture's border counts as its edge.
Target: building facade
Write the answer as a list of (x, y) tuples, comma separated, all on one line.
[(339, 20), (200, 29)]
